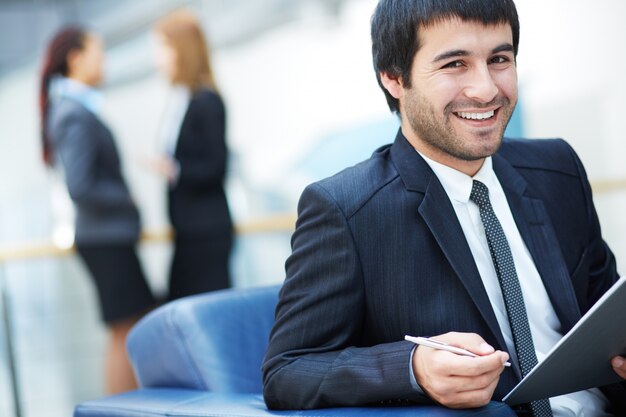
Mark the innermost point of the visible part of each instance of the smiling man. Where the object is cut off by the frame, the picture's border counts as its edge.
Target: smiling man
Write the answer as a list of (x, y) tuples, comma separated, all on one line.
[(451, 232), (460, 94)]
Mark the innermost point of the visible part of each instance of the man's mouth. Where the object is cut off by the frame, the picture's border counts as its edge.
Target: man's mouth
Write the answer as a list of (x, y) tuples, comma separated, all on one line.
[(475, 116)]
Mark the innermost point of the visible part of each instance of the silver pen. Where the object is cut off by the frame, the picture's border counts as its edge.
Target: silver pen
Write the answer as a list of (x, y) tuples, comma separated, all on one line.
[(437, 344)]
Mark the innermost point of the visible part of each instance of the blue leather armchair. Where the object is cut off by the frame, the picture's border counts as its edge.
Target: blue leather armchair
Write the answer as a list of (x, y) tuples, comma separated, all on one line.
[(201, 356)]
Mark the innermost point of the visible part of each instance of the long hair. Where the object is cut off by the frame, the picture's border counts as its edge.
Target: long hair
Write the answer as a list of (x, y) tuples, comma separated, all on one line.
[(183, 32), (65, 41)]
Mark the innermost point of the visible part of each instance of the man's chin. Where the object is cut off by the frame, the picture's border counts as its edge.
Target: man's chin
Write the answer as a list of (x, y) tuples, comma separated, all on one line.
[(481, 153)]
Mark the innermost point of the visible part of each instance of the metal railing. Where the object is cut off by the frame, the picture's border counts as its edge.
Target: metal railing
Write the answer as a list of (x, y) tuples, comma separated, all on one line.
[(277, 223), (42, 248), (45, 248), (608, 185)]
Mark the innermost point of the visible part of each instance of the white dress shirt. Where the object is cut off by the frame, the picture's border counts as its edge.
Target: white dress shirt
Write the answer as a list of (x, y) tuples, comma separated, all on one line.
[(544, 323), (173, 115), (63, 87)]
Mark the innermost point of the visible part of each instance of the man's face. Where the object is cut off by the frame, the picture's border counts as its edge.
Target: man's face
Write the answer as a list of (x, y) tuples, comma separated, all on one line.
[(463, 92)]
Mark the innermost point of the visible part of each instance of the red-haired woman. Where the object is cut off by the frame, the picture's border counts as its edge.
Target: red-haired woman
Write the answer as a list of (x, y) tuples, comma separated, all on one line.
[(76, 141)]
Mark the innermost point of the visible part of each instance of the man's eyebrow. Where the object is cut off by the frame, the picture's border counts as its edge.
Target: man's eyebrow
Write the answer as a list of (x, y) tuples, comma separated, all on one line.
[(505, 47), (456, 53)]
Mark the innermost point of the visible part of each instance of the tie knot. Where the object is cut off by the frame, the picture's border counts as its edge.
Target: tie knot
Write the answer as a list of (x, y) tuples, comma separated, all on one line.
[(480, 193)]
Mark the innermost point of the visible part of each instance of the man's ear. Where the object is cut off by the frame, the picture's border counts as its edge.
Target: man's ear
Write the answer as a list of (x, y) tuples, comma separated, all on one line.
[(393, 84)]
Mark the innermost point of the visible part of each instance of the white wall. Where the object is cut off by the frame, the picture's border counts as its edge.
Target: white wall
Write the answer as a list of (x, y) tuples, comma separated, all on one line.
[(290, 86), (571, 66)]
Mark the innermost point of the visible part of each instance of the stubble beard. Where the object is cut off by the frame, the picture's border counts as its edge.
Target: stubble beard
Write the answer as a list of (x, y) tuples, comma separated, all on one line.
[(439, 134)]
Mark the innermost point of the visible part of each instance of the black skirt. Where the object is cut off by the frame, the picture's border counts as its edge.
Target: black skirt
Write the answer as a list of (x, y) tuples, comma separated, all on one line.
[(122, 288), (200, 264)]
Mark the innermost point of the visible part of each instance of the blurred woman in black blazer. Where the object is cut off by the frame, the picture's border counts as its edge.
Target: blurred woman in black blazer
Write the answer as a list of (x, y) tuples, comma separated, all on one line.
[(107, 221), (192, 134)]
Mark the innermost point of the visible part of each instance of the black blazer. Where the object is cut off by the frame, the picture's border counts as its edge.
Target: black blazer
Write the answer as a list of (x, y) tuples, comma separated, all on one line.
[(378, 253), (105, 212), (197, 202)]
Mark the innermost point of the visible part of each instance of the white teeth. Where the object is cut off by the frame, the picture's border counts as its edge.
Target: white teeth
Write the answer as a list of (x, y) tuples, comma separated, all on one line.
[(476, 116)]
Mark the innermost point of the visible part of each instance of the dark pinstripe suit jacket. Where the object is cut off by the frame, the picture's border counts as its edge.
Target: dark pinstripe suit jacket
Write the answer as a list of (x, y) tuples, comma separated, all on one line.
[(105, 211), (379, 253)]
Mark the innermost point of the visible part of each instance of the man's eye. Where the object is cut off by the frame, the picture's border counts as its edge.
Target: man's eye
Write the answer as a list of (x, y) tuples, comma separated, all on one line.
[(499, 60), (453, 64)]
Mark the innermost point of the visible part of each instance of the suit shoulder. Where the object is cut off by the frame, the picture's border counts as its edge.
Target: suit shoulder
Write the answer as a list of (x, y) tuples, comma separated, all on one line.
[(540, 154), (67, 112), (353, 187), (207, 98), (64, 109)]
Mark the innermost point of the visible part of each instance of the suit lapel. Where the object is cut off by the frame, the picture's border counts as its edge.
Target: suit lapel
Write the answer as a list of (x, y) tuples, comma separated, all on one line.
[(536, 230), (439, 215), (437, 212), (530, 217)]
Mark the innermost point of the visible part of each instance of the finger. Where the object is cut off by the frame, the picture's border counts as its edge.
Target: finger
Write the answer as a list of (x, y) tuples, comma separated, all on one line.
[(443, 375), (457, 365), (482, 396), (468, 398), (478, 382), (468, 341), (619, 365), (462, 383)]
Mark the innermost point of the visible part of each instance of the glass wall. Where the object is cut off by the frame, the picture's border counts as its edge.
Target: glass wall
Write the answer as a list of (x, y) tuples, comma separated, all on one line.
[(57, 336)]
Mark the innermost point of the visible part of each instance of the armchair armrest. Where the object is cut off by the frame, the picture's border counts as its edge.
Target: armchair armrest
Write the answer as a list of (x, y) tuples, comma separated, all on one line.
[(210, 342), (171, 402)]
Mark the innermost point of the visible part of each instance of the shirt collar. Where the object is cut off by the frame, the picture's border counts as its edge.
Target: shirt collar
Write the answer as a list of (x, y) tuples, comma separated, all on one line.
[(459, 185), (89, 97)]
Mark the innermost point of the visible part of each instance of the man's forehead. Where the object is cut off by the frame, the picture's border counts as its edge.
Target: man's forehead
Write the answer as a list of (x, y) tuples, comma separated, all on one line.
[(457, 33)]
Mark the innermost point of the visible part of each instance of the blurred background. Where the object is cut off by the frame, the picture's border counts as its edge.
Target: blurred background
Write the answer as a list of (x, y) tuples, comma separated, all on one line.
[(302, 103)]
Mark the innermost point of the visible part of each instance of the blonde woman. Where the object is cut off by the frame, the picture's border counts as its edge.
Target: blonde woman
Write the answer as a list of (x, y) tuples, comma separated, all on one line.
[(194, 157)]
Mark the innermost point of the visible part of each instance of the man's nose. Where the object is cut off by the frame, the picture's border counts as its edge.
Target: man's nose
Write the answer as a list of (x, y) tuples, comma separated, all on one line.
[(480, 85)]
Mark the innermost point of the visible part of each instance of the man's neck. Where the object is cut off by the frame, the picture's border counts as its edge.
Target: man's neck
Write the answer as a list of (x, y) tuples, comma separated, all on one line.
[(467, 167)]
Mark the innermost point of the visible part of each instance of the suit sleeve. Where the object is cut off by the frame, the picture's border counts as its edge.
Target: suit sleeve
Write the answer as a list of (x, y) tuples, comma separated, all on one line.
[(602, 275), (314, 359), (204, 163), (78, 150), (600, 260)]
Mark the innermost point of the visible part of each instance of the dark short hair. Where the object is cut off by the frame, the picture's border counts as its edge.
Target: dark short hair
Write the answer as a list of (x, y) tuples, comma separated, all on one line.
[(396, 23)]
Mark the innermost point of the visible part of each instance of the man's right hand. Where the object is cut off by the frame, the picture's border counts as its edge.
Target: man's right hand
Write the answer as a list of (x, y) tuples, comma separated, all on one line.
[(457, 381)]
